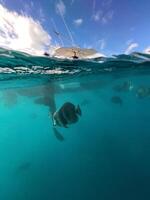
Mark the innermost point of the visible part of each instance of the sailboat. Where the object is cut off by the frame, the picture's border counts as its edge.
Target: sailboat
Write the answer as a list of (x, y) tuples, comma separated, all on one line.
[(74, 51)]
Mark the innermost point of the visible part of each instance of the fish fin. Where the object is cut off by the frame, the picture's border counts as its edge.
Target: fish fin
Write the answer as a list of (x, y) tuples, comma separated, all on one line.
[(78, 110)]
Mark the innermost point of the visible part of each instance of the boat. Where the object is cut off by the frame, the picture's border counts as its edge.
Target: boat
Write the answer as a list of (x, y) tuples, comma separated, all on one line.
[(73, 52), (76, 53)]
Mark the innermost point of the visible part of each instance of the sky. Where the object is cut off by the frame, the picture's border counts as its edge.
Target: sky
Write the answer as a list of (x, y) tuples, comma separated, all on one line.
[(109, 26)]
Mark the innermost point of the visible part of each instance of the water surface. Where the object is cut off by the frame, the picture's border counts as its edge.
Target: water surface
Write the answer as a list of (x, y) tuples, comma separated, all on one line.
[(105, 155)]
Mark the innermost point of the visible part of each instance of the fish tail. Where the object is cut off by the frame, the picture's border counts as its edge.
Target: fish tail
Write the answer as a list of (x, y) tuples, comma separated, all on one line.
[(78, 110)]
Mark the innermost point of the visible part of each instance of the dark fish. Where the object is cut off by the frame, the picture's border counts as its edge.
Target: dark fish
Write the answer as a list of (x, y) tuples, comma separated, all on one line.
[(67, 114), (59, 119), (116, 100), (58, 135), (124, 87), (143, 92)]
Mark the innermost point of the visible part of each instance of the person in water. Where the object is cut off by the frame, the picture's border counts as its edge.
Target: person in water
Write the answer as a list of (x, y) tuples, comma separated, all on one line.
[(75, 55), (46, 54)]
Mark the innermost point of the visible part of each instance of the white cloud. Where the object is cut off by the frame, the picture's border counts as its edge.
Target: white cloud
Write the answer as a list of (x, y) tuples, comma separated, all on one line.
[(78, 22), (131, 47), (107, 17), (21, 32), (97, 15), (102, 44), (103, 17), (60, 8), (147, 50)]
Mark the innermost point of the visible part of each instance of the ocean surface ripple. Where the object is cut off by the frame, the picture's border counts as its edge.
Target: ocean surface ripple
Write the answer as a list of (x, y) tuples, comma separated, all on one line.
[(19, 65)]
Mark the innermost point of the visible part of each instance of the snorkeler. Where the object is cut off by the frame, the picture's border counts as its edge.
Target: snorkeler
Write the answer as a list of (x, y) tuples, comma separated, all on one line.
[(75, 55)]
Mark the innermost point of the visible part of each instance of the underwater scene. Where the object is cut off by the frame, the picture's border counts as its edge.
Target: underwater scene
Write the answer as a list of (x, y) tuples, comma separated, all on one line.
[(73, 129)]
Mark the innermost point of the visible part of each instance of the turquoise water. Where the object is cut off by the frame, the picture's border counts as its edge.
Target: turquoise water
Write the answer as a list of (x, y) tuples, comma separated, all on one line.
[(105, 155)]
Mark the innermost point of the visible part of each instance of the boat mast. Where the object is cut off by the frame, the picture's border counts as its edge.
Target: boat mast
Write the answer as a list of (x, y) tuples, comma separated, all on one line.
[(67, 27), (57, 33)]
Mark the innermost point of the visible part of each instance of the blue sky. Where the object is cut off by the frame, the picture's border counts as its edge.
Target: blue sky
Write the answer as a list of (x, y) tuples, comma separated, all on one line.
[(110, 26)]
